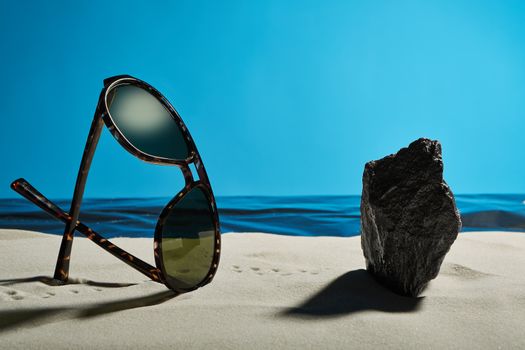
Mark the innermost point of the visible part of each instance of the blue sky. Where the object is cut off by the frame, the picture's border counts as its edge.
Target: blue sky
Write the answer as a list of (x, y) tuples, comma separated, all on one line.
[(281, 97)]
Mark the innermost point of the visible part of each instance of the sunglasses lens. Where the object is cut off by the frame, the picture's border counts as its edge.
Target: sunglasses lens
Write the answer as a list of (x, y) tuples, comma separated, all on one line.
[(188, 240), (146, 123)]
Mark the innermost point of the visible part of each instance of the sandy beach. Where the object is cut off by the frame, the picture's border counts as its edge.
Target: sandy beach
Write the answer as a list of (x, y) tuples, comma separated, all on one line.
[(271, 292)]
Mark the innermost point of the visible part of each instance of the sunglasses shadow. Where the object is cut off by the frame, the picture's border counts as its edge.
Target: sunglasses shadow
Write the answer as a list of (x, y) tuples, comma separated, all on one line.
[(126, 304), (352, 292), (10, 319), (50, 281)]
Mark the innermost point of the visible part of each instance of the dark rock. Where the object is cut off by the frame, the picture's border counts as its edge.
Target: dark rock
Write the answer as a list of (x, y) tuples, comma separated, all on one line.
[(409, 217)]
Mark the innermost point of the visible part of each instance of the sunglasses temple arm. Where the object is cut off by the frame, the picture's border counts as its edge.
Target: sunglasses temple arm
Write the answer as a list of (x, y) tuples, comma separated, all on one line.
[(64, 254), (30, 193)]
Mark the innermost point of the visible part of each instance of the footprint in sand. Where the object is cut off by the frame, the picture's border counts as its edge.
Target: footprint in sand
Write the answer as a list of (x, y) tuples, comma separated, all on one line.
[(13, 295), (48, 295), (464, 272), (74, 291), (236, 268), (257, 270)]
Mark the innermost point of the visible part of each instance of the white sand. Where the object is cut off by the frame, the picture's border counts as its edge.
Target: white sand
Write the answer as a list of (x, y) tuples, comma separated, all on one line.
[(271, 292)]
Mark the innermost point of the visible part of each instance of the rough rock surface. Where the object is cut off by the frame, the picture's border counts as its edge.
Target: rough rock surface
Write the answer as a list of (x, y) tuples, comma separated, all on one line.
[(409, 217)]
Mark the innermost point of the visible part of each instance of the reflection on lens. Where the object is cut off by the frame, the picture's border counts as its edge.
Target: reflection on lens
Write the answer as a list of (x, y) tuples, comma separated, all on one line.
[(146, 123), (188, 240)]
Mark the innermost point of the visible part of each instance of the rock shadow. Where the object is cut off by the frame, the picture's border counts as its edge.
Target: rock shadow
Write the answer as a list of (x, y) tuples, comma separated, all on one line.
[(353, 292)]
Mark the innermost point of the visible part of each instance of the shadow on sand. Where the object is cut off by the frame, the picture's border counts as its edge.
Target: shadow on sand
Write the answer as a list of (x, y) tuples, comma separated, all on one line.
[(50, 281), (352, 292), (37, 316)]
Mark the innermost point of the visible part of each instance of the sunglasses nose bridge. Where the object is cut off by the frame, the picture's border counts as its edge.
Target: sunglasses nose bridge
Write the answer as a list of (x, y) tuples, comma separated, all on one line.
[(188, 176)]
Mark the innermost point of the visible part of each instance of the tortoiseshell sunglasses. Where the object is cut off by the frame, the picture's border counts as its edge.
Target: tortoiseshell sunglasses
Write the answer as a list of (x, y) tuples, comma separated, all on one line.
[(187, 240)]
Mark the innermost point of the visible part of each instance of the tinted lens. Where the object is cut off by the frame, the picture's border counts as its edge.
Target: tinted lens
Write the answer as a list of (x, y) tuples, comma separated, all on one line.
[(146, 123), (188, 240)]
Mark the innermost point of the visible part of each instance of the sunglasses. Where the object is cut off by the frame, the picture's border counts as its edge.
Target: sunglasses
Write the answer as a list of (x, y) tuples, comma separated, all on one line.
[(187, 240)]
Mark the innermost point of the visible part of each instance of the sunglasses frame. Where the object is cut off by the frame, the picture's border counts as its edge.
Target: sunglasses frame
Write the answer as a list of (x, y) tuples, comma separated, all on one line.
[(102, 116)]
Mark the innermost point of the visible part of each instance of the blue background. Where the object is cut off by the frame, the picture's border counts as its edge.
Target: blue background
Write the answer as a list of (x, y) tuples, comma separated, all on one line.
[(282, 98)]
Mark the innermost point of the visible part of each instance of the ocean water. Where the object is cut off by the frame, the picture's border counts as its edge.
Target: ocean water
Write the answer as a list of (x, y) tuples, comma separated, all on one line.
[(298, 216)]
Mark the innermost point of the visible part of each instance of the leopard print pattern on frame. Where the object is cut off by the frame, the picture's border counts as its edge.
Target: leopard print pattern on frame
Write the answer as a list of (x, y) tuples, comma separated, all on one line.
[(102, 116), (30, 193)]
